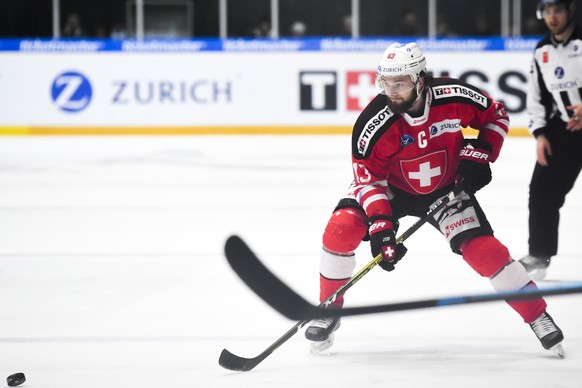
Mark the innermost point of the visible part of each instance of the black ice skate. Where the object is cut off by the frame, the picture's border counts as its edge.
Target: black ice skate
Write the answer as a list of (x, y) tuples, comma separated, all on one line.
[(321, 333), (536, 267), (548, 333)]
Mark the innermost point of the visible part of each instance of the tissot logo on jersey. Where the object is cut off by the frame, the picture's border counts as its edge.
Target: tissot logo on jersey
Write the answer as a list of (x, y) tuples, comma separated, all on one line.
[(371, 128), (459, 91)]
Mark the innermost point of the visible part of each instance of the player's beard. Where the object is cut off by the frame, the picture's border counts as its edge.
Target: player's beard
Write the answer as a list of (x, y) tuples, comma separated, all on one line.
[(402, 105)]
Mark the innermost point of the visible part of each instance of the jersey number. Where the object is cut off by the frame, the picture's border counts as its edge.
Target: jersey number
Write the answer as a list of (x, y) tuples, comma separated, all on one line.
[(361, 173)]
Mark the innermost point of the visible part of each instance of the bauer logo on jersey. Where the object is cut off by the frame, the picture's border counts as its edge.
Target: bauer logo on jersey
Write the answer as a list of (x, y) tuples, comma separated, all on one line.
[(445, 126), (370, 129), (459, 91), (424, 174)]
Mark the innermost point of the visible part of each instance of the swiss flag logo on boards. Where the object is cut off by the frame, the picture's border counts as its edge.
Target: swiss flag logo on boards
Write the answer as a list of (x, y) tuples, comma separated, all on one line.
[(545, 57), (424, 174), (360, 89)]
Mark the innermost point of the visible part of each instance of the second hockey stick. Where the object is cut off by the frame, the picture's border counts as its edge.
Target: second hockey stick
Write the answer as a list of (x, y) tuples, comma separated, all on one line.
[(286, 301)]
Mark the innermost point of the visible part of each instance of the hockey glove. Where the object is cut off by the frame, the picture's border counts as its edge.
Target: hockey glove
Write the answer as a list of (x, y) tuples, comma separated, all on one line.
[(383, 241), (474, 171)]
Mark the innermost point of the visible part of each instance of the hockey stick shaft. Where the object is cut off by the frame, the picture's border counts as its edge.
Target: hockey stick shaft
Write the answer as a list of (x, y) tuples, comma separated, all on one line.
[(237, 252), (312, 311)]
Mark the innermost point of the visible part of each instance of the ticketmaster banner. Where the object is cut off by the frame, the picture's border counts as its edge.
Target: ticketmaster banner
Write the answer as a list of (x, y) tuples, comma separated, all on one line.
[(49, 87), (250, 45)]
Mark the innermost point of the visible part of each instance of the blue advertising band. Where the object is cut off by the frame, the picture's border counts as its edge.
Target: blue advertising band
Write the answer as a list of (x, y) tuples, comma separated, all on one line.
[(263, 45)]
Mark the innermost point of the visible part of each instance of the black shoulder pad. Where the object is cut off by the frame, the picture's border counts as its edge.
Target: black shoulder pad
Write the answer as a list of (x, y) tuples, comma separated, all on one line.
[(372, 123)]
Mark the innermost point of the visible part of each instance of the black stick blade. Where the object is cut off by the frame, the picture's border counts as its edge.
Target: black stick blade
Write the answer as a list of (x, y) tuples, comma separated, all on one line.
[(263, 282), (231, 361)]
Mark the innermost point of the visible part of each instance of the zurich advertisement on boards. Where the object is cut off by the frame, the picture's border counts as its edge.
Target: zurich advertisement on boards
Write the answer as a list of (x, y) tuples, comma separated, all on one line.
[(72, 92)]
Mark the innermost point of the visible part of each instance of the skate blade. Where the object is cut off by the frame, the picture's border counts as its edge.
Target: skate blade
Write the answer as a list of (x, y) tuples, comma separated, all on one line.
[(559, 350), (316, 348)]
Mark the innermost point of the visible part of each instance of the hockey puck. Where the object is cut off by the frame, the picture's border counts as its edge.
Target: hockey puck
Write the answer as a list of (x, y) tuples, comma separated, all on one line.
[(15, 379)]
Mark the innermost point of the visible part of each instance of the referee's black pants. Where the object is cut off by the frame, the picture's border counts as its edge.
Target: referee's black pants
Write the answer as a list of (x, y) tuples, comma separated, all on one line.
[(548, 189)]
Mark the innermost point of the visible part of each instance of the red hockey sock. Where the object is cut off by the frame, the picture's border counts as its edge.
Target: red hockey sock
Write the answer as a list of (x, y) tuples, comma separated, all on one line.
[(491, 259), (529, 309), (328, 287)]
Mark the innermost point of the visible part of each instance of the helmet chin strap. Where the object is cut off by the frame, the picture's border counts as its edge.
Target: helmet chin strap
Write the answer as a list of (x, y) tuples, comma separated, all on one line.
[(417, 93)]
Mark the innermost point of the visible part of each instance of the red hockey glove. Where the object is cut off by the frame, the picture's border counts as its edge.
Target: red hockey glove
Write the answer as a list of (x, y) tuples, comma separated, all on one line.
[(383, 241), (474, 171)]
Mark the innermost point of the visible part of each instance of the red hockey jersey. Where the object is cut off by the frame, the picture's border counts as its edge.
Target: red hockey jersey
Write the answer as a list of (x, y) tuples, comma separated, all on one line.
[(420, 154)]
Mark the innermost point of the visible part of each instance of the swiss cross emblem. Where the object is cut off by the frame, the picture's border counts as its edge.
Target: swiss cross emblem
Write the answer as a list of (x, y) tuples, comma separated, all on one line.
[(545, 57), (389, 252), (391, 55), (360, 89), (424, 174)]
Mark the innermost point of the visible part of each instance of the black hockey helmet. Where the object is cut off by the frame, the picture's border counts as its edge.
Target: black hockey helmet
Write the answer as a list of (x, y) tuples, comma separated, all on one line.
[(543, 3)]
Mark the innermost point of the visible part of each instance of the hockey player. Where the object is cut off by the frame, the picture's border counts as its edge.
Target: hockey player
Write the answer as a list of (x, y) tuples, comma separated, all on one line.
[(554, 104), (408, 151)]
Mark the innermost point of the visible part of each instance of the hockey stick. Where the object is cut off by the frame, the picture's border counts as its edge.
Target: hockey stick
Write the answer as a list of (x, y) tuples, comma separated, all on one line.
[(286, 301), (239, 256)]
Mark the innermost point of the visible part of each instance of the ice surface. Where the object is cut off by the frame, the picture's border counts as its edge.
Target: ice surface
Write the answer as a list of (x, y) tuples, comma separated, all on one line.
[(112, 271)]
